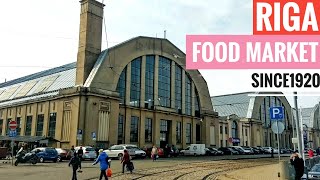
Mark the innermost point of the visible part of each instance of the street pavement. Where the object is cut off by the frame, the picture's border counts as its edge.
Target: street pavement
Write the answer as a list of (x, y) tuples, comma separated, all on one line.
[(61, 171)]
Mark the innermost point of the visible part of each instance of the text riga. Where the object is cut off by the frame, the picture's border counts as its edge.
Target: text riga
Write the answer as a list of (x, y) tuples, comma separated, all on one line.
[(299, 52)]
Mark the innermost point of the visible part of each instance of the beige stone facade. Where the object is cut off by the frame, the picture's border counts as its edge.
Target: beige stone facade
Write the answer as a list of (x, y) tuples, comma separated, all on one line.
[(93, 103)]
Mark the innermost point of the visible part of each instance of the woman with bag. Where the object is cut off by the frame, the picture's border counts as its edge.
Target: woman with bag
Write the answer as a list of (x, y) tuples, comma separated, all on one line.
[(126, 161), (103, 160)]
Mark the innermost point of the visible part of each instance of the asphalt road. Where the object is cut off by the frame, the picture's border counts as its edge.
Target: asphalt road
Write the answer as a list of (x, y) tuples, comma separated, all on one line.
[(61, 171)]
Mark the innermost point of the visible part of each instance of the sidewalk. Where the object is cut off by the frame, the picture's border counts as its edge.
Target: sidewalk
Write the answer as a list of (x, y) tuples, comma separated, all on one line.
[(269, 172)]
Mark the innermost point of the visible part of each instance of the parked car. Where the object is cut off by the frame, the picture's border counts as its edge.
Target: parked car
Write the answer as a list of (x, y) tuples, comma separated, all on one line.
[(194, 150), (139, 153), (210, 152), (62, 154), (314, 173), (228, 151), (269, 149), (116, 151), (248, 150), (218, 153), (240, 150), (259, 150), (46, 154), (88, 152)]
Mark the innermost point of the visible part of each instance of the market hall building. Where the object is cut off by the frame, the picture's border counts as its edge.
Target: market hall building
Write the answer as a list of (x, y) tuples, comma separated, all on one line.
[(136, 92)]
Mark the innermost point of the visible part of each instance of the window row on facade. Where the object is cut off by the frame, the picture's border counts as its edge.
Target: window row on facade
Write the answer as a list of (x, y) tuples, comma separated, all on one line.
[(165, 128), (28, 125)]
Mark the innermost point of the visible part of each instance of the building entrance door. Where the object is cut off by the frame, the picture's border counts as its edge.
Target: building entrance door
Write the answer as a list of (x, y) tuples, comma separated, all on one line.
[(164, 133)]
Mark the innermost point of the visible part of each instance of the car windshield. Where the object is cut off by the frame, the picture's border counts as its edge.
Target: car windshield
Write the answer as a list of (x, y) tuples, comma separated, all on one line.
[(315, 168)]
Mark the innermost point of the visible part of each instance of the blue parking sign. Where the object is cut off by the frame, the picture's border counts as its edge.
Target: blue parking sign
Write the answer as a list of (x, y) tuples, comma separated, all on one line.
[(12, 133), (277, 113)]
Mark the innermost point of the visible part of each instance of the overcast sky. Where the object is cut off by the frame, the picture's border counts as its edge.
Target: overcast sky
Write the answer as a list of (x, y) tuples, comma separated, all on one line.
[(40, 34)]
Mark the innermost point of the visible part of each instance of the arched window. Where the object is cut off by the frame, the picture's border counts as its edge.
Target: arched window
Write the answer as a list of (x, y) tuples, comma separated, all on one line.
[(164, 82), (135, 88), (178, 89), (188, 95), (234, 129)]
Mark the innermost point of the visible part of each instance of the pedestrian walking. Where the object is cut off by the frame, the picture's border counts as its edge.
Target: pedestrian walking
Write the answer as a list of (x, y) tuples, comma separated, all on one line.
[(126, 161), (80, 153), (76, 164), (310, 153), (272, 151), (103, 160), (298, 164), (154, 153)]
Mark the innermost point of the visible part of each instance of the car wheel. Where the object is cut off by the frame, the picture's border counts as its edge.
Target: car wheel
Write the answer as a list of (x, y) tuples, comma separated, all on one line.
[(59, 159), (16, 163), (41, 160), (92, 159), (55, 160), (120, 156)]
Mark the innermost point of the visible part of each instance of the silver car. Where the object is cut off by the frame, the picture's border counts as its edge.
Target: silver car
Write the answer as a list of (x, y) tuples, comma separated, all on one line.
[(88, 152), (314, 172)]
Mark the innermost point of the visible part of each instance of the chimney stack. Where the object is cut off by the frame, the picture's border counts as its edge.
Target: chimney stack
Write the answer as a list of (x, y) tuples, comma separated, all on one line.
[(90, 36)]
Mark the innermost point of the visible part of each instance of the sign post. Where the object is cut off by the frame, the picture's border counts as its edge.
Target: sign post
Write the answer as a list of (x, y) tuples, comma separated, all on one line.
[(277, 114), (12, 133)]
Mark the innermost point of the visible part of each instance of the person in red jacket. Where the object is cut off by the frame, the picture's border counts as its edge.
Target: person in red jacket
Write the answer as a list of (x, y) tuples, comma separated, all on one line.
[(310, 152), (125, 160)]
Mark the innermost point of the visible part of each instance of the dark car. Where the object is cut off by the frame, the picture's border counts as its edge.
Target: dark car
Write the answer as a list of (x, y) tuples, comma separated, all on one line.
[(217, 152), (228, 151), (210, 152), (46, 154), (258, 149)]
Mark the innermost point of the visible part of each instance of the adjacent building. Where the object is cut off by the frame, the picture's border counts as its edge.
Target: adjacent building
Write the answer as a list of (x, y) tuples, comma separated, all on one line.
[(244, 119), (137, 92), (310, 124)]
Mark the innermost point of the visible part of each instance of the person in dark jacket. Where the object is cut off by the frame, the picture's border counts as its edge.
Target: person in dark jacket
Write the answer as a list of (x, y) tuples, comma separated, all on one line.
[(103, 160), (80, 152), (76, 163), (125, 160), (298, 165)]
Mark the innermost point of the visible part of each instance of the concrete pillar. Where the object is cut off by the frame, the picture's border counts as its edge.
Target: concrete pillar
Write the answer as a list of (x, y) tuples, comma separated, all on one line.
[(143, 82), (230, 130), (141, 138), (128, 84), (193, 131), (240, 133), (127, 126), (173, 132), (223, 135), (156, 130), (173, 75), (156, 80), (46, 118), (183, 92), (184, 125)]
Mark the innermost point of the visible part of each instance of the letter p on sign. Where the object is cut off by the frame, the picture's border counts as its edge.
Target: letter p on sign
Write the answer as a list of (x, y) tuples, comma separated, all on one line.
[(276, 113)]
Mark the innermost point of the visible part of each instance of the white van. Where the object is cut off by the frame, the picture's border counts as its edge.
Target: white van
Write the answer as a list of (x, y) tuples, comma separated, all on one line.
[(194, 150)]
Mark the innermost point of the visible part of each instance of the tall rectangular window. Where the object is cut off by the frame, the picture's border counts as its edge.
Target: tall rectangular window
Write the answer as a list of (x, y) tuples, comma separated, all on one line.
[(1, 126), (18, 125), (178, 88), (178, 133), (134, 131), (121, 87), (149, 84), (39, 125), (120, 129), (148, 130), (188, 95), (188, 133), (225, 130), (164, 82), (135, 88), (220, 129), (52, 125), (28, 126)]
